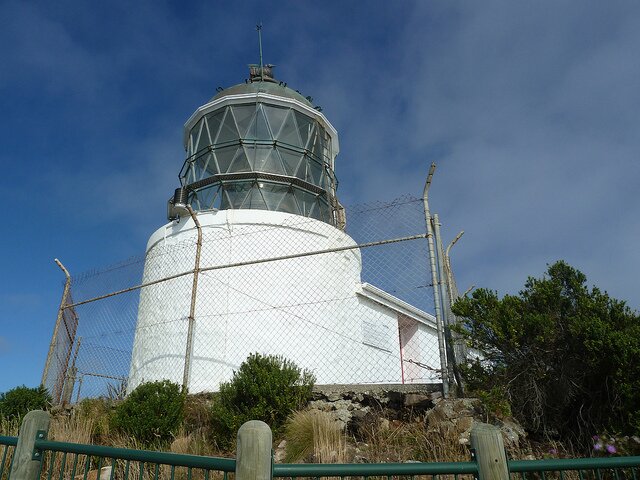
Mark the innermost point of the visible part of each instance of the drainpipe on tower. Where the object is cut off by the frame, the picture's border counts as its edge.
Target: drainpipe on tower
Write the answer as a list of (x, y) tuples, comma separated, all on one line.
[(180, 201)]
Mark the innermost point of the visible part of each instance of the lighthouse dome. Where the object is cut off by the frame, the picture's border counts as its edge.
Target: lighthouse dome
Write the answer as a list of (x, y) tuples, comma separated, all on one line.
[(279, 89), (261, 145)]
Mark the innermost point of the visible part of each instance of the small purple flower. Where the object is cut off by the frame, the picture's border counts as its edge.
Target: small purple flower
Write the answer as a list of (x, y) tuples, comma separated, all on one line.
[(611, 449), (597, 446), (553, 451), (595, 438)]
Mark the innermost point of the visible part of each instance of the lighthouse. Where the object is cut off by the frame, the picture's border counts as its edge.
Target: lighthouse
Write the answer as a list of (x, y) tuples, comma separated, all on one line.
[(257, 211)]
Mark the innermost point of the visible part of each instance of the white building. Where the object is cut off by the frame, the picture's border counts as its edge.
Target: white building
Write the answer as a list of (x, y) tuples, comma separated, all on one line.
[(260, 177)]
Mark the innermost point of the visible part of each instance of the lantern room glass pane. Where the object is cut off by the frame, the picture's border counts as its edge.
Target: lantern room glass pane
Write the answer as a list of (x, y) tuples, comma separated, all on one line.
[(262, 127), (205, 140), (234, 194), (291, 161), (240, 163), (208, 165), (273, 194), (193, 137), (275, 117), (260, 158), (228, 130), (213, 122), (289, 132), (255, 200), (244, 115), (288, 203), (225, 156), (305, 128), (273, 164)]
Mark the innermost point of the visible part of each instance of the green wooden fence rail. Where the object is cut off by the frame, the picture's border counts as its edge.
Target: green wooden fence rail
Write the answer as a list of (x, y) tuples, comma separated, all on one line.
[(37, 458)]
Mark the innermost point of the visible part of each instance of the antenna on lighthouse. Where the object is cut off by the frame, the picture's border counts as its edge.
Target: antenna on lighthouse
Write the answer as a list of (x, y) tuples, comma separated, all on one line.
[(259, 29)]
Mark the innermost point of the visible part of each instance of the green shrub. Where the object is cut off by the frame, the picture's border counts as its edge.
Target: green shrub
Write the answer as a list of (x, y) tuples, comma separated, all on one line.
[(563, 356), (18, 401), (266, 388), (152, 413)]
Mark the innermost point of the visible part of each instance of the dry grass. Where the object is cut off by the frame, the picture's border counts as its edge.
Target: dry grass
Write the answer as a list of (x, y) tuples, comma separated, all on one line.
[(315, 437), (401, 442), (9, 428), (194, 443), (72, 428)]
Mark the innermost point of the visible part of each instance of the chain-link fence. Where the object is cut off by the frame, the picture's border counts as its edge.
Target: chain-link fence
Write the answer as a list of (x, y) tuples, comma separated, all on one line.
[(349, 306)]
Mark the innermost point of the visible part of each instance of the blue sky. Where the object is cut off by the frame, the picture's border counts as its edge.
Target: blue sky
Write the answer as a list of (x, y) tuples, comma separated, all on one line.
[(530, 109)]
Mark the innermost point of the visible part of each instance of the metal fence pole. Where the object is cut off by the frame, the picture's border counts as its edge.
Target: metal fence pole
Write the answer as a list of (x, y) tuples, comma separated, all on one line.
[(27, 462), (446, 302), (254, 458), (192, 309), (54, 337), (70, 380), (459, 347), (434, 281)]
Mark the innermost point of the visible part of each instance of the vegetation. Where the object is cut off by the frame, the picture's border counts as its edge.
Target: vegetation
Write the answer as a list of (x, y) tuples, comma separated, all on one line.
[(152, 413), (553, 319), (18, 401), (97, 411), (267, 388), (561, 357), (316, 437), (385, 441)]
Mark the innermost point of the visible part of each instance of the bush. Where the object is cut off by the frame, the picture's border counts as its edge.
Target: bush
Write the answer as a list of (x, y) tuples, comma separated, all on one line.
[(266, 388), (152, 413), (19, 401), (565, 357)]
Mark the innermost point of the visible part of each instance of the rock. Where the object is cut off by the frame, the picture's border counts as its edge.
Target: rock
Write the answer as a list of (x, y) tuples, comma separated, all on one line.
[(333, 397), (417, 401), (280, 452), (321, 405), (463, 427), (395, 399), (512, 432), (436, 397), (342, 405), (383, 424), (362, 424), (458, 415), (342, 416)]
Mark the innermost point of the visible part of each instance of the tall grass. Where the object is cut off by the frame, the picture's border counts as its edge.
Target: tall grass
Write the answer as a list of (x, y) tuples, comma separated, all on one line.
[(315, 436), (9, 427), (399, 442)]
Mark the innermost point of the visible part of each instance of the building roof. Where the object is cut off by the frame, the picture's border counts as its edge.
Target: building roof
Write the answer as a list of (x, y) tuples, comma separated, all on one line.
[(394, 303), (266, 86)]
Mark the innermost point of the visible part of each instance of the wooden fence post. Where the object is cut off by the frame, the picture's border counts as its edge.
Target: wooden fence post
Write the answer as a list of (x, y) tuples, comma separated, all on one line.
[(487, 442), (254, 459), (25, 465)]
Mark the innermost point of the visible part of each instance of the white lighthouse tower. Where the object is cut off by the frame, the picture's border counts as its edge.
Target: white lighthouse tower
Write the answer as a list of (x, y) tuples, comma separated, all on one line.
[(259, 180)]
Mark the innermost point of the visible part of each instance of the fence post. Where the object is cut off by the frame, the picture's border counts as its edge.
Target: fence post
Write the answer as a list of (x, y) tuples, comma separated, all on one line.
[(26, 466), (254, 459), (490, 456)]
